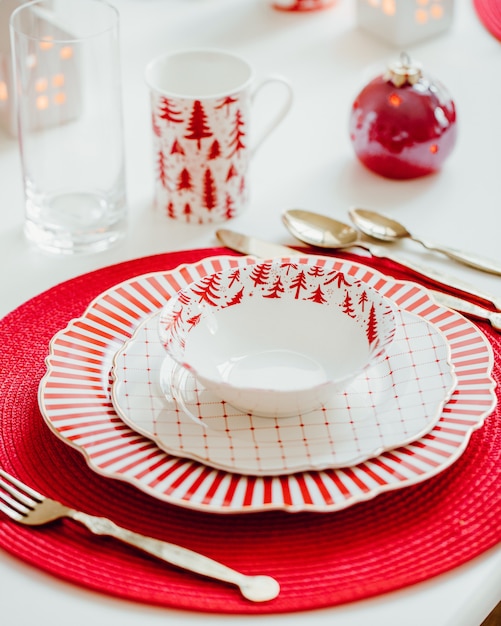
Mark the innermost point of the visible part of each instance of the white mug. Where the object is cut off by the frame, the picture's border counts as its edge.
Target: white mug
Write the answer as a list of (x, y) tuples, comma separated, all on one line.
[(201, 103)]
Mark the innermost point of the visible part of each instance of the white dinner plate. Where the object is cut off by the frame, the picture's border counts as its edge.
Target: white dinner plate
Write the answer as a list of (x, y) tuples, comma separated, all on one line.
[(75, 400), (393, 403)]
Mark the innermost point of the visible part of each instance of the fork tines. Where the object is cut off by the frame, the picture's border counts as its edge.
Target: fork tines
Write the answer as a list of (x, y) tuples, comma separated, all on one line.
[(16, 498)]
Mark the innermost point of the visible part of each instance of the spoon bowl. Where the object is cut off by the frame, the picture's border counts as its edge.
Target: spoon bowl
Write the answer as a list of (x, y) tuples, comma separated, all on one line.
[(378, 225), (320, 230)]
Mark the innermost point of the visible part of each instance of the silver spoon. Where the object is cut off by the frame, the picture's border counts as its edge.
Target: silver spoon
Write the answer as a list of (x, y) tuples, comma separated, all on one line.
[(322, 231), (385, 228)]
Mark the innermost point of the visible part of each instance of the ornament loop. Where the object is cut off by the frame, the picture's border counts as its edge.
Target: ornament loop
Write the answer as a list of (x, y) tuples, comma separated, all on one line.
[(403, 72)]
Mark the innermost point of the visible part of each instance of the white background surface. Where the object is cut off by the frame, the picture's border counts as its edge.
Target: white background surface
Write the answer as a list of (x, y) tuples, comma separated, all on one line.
[(307, 163)]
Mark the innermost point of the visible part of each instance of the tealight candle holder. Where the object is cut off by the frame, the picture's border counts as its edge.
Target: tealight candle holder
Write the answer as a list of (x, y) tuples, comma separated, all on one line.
[(54, 79), (404, 22)]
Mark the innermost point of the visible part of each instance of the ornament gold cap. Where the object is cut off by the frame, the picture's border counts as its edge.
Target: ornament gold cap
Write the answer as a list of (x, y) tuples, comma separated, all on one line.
[(402, 72)]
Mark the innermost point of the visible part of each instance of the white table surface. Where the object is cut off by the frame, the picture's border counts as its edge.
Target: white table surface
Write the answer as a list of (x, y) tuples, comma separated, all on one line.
[(307, 163)]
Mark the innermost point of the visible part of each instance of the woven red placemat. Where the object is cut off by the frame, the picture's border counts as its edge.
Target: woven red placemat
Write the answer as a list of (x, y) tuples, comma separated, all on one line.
[(489, 12), (397, 539)]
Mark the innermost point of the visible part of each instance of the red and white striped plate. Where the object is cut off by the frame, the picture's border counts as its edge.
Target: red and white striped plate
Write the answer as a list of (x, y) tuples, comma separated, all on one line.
[(75, 401)]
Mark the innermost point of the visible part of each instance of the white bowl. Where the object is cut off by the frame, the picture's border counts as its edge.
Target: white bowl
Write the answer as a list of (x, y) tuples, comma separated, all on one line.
[(277, 338)]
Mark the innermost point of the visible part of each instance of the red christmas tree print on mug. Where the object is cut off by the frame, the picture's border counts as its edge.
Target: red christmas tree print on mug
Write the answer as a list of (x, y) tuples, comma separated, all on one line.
[(232, 172), (177, 148), (198, 127), (214, 151), (237, 134), (162, 170), (209, 195), (226, 102), (171, 212), (229, 207), (184, 180), (168, 113), (157, 131)]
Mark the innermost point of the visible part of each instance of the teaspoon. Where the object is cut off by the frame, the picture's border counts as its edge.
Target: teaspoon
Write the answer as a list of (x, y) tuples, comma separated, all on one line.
[(323, 231), (387, 229)]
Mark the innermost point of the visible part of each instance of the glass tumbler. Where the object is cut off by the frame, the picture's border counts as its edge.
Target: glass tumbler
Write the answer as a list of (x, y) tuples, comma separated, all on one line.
[(67, 81)]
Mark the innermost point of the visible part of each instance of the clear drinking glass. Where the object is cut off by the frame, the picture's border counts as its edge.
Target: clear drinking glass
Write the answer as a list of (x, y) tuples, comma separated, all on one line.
[(70, 127)]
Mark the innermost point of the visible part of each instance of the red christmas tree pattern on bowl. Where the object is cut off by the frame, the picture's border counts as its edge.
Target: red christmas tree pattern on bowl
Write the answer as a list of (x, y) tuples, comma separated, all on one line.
[(277, 338)]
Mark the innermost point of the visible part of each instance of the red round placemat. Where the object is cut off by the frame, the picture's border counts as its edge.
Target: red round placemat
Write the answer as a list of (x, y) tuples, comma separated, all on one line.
[(396, 539), (489, 12)]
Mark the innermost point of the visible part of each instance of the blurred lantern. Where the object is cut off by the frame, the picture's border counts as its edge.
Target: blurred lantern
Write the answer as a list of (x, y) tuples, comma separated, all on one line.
[(50, 68), (404, 22), (301, 5), (403, 123)]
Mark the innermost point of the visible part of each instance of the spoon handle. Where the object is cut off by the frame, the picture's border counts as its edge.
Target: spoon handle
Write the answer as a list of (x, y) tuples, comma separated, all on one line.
[(430, 273), (472, 260)]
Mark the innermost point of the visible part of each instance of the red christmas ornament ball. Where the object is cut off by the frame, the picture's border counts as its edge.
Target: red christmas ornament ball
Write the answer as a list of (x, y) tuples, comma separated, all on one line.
[(403, 124)]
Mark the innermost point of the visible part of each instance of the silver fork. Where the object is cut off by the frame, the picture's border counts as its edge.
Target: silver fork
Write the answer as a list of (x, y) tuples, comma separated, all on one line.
[(26, 506)]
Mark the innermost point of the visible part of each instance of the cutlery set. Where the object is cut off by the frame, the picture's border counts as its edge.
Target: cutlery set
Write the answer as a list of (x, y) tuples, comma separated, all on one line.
[(264, 249), (324, 232)]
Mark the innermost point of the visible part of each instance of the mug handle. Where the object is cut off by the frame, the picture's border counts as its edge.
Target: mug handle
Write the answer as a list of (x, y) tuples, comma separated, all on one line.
[(280, 114)]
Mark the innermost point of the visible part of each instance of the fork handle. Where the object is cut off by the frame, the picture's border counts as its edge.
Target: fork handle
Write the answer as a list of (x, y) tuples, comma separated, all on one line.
[(254, 588)]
